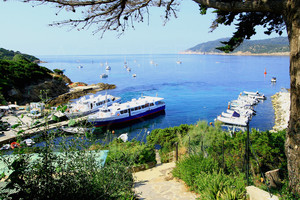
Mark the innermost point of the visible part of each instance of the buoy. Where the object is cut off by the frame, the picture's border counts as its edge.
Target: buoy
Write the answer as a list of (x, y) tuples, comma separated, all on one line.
[(210, 123), (265, 72), (113, 132), (14, 145)]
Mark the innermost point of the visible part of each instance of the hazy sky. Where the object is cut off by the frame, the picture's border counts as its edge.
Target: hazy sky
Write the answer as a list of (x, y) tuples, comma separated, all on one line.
[(26, 29)]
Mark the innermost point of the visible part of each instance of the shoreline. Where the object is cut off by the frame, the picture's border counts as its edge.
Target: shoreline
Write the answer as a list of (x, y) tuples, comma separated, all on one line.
[(239, 53), (281, 106)]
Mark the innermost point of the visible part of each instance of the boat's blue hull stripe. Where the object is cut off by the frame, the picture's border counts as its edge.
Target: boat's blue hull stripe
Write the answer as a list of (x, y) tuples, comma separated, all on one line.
[(128, 119)]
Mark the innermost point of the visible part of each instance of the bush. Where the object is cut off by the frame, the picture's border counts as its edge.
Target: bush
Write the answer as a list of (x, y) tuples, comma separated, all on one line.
[(189, 168), (218, 185), (131, 153), (167, 138), (75, 173)]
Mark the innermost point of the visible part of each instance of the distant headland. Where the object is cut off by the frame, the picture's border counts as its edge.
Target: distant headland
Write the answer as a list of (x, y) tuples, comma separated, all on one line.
[(278, 46)]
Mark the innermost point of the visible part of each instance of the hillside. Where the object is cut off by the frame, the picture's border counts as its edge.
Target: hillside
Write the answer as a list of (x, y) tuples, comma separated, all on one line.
[(278, 45), (9, 55)]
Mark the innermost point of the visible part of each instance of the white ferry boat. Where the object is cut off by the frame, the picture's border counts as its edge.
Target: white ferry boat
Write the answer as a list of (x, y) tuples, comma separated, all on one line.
[(126, 112), (85, 106)]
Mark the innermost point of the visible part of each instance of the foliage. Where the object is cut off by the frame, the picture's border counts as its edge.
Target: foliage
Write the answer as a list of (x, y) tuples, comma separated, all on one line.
[(203, 176), (58, 71), (130, 153), (167, 138), (11, 55), (216, 156), (18, 74), (218, 185), (273, 45), (71, 171), (188, 168)]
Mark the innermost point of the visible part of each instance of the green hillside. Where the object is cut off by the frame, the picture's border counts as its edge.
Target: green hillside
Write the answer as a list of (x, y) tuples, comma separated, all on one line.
[(10, 55), (273, 45)]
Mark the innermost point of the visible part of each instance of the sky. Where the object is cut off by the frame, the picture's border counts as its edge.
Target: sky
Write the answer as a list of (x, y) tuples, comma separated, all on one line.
[(26, 29)]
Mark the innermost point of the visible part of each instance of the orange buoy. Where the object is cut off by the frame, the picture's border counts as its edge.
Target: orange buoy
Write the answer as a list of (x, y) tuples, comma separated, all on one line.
[(113, 132), (265, 72), (14, 145)]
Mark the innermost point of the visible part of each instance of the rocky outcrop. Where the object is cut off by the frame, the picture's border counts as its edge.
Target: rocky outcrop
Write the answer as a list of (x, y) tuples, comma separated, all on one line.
[(37, 92)]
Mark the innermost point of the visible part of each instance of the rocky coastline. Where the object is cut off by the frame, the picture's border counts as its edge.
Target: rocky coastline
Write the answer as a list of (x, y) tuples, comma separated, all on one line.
[(239, 53), (281, 105)]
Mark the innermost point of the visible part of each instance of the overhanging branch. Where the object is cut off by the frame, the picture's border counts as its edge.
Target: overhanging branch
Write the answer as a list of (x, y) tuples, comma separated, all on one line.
[(239, 6)]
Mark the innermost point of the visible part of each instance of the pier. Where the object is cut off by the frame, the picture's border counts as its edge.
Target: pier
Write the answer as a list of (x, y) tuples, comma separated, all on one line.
[(28, 126)]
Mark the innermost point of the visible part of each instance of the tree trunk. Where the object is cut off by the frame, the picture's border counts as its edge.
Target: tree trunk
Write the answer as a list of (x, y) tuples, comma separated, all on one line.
[(292, 144)]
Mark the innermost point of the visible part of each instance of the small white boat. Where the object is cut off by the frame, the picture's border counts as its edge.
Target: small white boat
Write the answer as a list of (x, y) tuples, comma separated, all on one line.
[(234, 121), (235, 115), (5, 147), (124, 137), (103, 75), (35, 113), (29, 142), (108, 67), (80, 66), (178, 62), (273, 80), (126, 112), (77, 129), (234, 128), (255, 94), (128, 69), (86, 106), (133, 75)]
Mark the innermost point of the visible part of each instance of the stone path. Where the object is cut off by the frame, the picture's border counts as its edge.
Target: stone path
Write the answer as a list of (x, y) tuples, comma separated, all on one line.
[(157, 183)]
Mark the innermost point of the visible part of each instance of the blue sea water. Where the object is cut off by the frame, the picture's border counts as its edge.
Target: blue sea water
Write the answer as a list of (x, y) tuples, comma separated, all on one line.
[(198, 89)]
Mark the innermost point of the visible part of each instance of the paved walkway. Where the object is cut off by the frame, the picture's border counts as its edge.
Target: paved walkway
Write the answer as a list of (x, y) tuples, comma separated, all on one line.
[(158, 183)]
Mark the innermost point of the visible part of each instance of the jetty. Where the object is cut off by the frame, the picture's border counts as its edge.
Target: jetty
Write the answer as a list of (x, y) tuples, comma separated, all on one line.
[(29, 126)]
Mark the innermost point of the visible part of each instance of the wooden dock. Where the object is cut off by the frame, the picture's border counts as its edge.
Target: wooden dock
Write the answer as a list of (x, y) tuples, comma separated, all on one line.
[(27, 129)]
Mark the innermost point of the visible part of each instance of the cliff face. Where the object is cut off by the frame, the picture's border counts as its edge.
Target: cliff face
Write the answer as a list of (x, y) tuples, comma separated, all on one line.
[(32, 93)]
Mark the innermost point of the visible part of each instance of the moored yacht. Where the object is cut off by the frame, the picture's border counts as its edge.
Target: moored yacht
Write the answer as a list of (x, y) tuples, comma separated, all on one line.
[(85, 106), (126, 112)]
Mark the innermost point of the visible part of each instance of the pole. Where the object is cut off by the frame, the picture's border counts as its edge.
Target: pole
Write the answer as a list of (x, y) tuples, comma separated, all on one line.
[(247, 154), (176, 151)]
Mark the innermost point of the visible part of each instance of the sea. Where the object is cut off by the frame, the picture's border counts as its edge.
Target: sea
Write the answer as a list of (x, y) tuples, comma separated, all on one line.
[(199, 88)]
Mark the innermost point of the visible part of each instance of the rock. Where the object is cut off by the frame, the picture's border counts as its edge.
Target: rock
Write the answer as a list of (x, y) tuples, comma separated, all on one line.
[(32, 93), (274, 178)]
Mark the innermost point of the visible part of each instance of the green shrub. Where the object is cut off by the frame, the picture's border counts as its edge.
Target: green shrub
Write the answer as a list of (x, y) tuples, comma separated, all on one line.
[(75, 173), (130, 153), (189, 168), (167, 138), (218, 185)]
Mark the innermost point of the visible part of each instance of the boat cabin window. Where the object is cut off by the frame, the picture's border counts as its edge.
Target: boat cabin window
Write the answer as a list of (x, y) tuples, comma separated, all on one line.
[(105, 110), (143, 106), (123, 111), (151, 104), (147, 105), (158, 102), (139, 107)]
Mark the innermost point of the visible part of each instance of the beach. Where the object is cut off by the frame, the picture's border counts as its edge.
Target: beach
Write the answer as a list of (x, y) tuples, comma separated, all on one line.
[(281, 105)]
